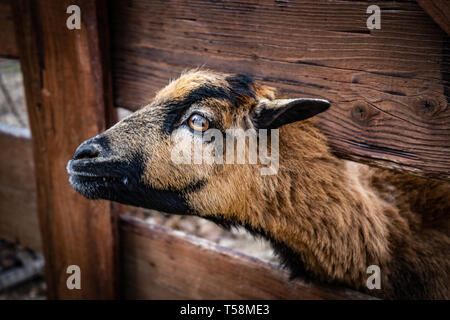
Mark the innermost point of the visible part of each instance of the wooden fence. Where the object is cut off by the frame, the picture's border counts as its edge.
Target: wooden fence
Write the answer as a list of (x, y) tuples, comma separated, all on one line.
[(389, 91)]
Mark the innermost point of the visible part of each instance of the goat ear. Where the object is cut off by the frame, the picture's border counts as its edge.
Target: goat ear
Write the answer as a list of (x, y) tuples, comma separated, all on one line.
[(272, 114)]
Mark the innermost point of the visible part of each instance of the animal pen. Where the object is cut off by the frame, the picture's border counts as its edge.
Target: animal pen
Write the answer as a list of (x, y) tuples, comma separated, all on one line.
[(388, 88)]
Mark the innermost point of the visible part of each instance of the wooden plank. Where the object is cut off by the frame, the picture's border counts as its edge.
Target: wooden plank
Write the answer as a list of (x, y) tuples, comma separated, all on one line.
[(8, 43), (389, 88), (18, 208), (159, 263), (66, 88), (439, 10)]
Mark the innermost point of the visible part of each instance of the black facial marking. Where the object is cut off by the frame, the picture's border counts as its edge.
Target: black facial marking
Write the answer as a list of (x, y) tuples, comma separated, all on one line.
[(208, 92), (121, 181), (174, 110), (239, 88)]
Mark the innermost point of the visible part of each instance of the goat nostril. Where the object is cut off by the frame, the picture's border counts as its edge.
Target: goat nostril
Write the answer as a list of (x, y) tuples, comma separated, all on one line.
[(88, 151)]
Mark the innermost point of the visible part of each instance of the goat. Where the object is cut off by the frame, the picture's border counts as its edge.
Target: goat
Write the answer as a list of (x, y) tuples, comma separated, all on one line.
[(326, 218)]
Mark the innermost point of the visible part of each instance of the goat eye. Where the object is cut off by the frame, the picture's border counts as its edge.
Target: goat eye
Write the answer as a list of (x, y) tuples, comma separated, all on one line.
[(198, 123)]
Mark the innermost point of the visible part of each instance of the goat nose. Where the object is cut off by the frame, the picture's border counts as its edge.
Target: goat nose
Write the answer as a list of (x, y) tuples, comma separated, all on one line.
[(87, 150)]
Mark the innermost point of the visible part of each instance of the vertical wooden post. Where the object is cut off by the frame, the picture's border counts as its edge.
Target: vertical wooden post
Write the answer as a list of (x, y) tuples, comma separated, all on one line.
[(68, 92)]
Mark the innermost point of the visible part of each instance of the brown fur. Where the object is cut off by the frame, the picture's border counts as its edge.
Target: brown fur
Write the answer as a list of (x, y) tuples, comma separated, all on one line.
[(335, 217)]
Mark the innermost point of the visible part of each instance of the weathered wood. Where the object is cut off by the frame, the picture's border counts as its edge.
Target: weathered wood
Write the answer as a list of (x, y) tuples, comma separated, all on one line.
[(389, 88), (66, 89), (439, 10), (18, 209), (8, 43), (159, 263)]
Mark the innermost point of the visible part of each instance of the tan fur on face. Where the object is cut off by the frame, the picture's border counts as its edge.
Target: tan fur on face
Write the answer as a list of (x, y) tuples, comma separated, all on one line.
[(188, 82), (163, 174)]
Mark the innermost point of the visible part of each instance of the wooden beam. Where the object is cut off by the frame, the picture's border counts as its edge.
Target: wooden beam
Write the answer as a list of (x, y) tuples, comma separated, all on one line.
[(18, 209), (389, 88), (66, 88), (439, 10), (8, 43), (159, 263)]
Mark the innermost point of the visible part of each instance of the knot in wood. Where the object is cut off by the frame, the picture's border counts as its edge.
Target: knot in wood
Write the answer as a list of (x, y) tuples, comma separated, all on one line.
[(359, 112), (426, 106)]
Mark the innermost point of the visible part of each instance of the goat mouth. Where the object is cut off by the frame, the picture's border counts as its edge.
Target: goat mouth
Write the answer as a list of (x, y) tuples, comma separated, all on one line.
[(95, 180), (120, 181), (80, 178)]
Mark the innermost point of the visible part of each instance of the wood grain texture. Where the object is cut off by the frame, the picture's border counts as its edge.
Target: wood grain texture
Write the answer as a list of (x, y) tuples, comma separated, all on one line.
[(66, 92), (8, 43), (159, 263), (439, 10), (18, 208), (389, 88)]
